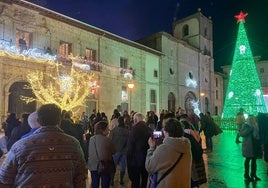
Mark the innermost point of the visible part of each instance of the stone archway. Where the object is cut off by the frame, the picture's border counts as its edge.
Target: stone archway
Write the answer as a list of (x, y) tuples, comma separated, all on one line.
[(189, 97), (171, 102), (15, 103)]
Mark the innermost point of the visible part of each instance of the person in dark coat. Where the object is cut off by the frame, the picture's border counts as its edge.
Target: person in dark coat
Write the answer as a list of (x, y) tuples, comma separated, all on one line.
[(12, 122), (251, 149), (239, 120), (72, 129), (19, 131), (262, 122), (9, 125), (207, 127), (137, 147), (198, 175)]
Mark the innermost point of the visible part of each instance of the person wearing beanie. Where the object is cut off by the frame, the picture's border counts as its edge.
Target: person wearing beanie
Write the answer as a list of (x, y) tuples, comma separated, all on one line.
[(33, 122)]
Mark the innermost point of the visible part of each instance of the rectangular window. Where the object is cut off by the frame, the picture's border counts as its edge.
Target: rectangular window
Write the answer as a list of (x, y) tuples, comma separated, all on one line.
[(217, 94), (65, 49), (123, 63), (216, 82), (155, 73), (23, 40), (152, 96), (261, 70), (153, 100), (91, 54)]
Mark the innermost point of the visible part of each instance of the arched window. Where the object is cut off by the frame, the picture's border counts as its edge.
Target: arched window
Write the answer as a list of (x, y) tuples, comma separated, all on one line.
[(185, 30), (171, 102)]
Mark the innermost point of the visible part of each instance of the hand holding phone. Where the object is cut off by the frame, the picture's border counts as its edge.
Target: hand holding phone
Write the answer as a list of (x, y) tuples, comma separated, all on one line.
[(157, 134), (151, 142), (158, 137)]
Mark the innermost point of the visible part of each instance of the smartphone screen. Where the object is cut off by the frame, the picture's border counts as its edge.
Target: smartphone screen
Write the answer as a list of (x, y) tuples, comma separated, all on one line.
[(157, 134), (158, 137)]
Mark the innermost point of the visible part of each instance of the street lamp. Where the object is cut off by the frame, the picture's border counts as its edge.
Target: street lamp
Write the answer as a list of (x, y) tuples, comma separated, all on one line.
[(130, 87), (202, 94)]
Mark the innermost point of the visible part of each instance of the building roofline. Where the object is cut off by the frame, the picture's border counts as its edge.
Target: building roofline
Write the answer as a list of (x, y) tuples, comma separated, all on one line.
[(171, 37), (79, 24)]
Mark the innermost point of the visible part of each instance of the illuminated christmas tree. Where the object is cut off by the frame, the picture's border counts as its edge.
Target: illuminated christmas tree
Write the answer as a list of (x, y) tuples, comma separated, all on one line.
[(244, 88)]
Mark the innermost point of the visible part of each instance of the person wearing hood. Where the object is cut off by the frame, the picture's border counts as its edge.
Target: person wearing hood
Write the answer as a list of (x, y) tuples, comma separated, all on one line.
[(179, 157)]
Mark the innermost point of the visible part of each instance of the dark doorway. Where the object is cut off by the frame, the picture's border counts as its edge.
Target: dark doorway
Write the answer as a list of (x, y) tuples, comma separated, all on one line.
[(171, 102), (15, 103)]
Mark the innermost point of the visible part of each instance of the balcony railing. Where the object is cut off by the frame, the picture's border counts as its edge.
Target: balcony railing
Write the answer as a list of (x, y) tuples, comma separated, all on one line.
[(11, 49)]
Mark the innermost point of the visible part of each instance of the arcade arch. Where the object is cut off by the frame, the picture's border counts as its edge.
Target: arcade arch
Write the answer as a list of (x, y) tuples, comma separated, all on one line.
[(15, 103)]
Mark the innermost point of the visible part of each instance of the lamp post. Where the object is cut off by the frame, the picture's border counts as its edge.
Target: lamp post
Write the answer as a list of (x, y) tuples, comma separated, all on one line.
[(130, 87), (202, 94)]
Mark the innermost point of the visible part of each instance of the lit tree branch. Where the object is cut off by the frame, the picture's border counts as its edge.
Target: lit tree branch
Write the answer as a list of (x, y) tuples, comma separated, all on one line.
[(66, 86)]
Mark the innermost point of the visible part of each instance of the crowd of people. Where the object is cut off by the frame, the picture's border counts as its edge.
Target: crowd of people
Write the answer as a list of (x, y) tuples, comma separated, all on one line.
[(51, 148)]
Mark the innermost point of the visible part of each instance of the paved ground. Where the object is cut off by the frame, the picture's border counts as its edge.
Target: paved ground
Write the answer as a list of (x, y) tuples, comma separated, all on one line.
[(225, 166)]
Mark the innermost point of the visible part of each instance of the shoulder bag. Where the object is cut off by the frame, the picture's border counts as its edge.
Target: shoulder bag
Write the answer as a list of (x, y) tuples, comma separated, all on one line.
[(153, 177), (104, 166)]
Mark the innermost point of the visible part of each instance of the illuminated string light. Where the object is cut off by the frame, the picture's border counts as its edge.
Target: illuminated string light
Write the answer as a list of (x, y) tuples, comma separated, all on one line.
[(68, 90), (244, 87), (66, 86), (195, 104), (33, 53), (190, 82)]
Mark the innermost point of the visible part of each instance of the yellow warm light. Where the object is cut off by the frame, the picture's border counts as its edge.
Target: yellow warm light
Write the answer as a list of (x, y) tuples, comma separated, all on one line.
[(65, 86), (202, 94), (130, 85)]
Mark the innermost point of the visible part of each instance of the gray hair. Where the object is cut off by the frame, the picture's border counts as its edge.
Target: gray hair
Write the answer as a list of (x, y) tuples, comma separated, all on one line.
[(32, 120), (137, 118)]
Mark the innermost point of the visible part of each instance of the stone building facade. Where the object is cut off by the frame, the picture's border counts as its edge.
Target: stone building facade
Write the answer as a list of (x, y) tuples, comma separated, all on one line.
[(53, 37), (168, 71), (187, 69)]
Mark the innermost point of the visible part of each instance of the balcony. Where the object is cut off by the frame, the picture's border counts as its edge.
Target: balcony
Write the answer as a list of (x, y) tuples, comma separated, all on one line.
[(7, 48)]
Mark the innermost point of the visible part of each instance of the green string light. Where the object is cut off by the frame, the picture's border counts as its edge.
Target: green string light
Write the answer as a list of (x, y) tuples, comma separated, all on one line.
[(244, 87)]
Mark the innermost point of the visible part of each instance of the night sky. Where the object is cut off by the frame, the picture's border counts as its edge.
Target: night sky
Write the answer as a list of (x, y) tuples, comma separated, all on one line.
[(135, 19)]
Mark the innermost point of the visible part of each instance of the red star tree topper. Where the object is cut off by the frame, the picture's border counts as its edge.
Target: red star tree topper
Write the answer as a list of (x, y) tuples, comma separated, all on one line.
[(241, 16)]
